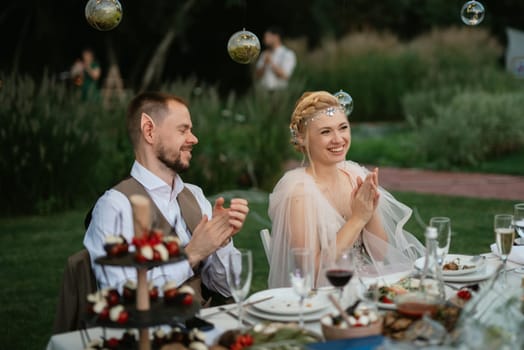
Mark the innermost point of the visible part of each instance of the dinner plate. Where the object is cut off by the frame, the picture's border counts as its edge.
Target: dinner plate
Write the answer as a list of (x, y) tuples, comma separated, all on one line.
[(464, 260), (479, 275), (286, 302), (519, 241), (308, 317)]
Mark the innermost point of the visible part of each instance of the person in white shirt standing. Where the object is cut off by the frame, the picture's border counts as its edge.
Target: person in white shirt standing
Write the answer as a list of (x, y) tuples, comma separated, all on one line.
[(159, 126), (276, 63)]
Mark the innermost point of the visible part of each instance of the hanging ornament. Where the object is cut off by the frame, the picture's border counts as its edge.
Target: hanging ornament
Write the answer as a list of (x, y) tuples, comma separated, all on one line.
[(103, 14), (243, 47), (345, 100), (472, 13)]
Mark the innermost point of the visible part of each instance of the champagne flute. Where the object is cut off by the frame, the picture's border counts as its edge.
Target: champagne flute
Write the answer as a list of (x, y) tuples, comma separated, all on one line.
[(240, 273), (443, 226), (301, 276), (504, 236), (340, 272), (518, 217)]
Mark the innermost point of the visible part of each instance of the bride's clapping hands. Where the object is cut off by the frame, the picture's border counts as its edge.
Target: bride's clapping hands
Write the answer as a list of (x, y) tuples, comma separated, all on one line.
[(365, 197)]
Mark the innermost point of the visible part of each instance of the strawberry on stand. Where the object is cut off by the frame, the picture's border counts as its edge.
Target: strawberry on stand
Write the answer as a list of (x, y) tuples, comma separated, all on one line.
[(129, 292), (115, 245), (106, 305), (152, 246)]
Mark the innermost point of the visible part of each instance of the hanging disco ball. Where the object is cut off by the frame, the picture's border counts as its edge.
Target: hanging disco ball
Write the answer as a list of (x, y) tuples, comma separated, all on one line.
[(472, 13), (103, 14), (345, 100), (243, 47)]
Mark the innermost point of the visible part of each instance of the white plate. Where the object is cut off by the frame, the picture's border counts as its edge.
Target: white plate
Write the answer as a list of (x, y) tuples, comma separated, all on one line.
[(519, 241), (285, 302), (480, 275), (464, 260), (312, 316)]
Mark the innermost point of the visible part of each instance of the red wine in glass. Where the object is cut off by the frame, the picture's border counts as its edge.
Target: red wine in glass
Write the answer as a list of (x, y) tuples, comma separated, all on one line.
[(339, 278)]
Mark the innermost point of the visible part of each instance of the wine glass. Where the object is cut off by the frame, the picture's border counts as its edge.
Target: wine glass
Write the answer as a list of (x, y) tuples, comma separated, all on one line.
[(518, 217), (443, 225), (301, 276), (240, 273), (340, 271), (504, 236)]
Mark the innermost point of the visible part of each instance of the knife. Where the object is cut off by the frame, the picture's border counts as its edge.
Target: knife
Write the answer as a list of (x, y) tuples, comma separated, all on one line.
[(235, 316), (223, 309)]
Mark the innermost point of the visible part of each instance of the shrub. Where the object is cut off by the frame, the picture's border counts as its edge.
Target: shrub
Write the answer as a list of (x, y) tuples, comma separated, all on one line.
[(472, 127), (51, 142)]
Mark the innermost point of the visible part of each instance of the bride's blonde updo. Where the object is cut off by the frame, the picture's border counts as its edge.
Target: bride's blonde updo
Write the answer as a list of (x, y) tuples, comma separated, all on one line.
[(307, 106)]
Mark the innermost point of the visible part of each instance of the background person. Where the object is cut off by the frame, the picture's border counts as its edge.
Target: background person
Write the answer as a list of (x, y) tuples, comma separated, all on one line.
[(86, 73), (333, 205), (276, 63)]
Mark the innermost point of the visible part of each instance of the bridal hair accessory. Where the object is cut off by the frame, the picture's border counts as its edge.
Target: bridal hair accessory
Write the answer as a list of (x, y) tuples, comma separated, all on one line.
[(294, 139), (330, 111)]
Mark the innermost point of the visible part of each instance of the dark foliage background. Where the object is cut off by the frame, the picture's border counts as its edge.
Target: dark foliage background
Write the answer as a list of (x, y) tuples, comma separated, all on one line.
[(48, 35)]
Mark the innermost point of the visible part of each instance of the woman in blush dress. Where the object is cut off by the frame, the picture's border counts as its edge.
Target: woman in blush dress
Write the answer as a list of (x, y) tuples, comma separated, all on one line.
[(332, 204)]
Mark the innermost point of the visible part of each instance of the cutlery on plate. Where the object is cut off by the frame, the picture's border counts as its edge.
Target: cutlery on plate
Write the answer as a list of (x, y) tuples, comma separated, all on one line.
[(235, 316), (223, 309)]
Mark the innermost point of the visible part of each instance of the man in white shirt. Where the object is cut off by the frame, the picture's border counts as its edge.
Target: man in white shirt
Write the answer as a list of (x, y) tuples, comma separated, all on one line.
[(160, 129), (276, 63)]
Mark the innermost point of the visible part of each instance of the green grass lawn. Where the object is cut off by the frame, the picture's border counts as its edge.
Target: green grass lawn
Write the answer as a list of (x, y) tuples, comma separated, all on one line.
[(34, 251)]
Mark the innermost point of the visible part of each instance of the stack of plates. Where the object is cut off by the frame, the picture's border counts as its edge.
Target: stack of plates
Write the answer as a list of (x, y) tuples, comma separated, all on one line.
[(284, 306)]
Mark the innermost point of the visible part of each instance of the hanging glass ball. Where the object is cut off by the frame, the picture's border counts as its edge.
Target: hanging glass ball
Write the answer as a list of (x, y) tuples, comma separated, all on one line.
[(472, 13), (243, 47), (345, 100), (103, 14)]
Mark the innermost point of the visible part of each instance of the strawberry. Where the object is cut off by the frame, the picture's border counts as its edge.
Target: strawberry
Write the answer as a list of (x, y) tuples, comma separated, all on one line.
[(104, 314), (464, 294), (153, 293), (172, 248), (156, 256), (113, 297), (123, 317), (139, 257), (188, 299), (112, 343)]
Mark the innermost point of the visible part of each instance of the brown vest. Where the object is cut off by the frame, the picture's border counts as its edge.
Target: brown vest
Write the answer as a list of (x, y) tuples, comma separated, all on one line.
[(191, 213)]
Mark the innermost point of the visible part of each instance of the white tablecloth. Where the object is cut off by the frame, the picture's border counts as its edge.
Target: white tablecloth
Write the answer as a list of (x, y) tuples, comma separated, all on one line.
[(222, 321)]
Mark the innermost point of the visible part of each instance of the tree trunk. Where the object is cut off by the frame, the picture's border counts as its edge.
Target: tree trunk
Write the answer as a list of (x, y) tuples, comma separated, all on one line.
[(156, 64)]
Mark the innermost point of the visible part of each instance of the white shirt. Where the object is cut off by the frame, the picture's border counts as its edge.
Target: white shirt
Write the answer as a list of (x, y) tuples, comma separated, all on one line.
[(105, 221), (283, 58)]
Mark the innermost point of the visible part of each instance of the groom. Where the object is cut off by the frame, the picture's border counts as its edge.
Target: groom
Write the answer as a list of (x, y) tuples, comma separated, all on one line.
[(160, 129)]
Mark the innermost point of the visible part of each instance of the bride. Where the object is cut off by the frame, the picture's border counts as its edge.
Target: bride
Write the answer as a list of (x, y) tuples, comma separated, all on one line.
[(332, 205)]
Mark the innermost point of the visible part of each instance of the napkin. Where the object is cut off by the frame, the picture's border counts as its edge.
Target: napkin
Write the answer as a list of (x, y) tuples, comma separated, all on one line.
[(516, 255)]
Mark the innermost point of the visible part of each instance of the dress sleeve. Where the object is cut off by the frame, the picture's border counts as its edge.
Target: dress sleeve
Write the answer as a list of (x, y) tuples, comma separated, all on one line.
[(297, 221)]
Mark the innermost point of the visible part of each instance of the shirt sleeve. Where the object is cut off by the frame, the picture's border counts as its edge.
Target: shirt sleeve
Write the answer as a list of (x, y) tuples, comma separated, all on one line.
[(288, 63), (105, 220), (214, 270)]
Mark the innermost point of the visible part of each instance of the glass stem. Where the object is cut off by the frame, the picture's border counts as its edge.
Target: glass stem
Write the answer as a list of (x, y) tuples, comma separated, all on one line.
[(240, 314), (504, 278), (301, 313)]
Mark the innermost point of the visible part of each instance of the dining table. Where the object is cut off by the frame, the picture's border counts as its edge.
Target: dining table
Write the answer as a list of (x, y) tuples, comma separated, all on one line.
[(224, 321)]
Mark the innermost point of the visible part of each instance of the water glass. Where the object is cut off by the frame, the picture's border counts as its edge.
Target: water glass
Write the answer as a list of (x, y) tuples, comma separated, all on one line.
[(240, 273), (443, 226), (301, 276)]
